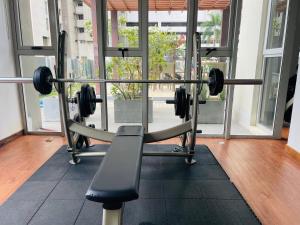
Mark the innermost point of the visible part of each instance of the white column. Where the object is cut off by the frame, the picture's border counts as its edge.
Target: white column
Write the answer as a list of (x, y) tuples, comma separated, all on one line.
[(294, 140)]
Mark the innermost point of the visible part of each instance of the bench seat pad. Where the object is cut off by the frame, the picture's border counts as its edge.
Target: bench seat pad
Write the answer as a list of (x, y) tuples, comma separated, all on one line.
[(117, 179)]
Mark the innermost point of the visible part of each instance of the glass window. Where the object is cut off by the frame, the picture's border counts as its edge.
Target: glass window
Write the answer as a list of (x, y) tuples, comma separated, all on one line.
[(277, 24), (213, 23), (81, 40), (42, 111), (244, 112), (270, 91), (167, 40), (34, 22), (122, 24), (78, 19), (211, 115), (80, 16), (166, 46), (124, 101)]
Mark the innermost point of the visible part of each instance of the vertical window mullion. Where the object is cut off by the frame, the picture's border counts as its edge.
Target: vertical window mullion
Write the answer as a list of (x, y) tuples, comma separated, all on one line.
[(143, 10), (102, 36)]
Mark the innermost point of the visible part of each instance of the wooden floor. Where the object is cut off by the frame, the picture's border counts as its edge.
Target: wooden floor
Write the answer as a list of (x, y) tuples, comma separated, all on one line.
[(266, 172)]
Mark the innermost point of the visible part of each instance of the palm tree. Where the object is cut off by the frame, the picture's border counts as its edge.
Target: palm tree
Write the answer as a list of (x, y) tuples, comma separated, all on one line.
[(212, 28)]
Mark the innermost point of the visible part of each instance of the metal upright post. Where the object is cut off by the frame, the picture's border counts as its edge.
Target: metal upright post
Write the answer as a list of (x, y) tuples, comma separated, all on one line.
[(61, 69)]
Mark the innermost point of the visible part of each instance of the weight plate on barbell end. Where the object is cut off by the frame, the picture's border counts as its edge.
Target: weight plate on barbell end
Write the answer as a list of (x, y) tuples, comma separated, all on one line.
[(216, 81), (180, 102), (80, 139), (41, 80), (87, 100)]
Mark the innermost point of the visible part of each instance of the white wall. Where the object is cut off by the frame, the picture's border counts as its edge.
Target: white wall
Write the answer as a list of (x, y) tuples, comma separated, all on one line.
[(10, 116), (249, 50), (294, 135)]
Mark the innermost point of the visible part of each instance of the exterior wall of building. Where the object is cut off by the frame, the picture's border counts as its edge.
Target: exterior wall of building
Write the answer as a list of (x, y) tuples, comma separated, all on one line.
[(11, 118), (252, 30), (294, 140), (40, 22)]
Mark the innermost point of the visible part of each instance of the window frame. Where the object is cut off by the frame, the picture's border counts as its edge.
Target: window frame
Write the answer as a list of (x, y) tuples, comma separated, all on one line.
[(271, 53), (142, 51), (20, 50), (52, 26)]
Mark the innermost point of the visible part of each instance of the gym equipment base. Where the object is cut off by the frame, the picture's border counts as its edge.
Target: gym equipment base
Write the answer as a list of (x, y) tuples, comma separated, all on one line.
[(171, 193)]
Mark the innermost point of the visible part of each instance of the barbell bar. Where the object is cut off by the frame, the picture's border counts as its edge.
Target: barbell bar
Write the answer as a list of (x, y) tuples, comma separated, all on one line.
[(43, 81), (114, 81)]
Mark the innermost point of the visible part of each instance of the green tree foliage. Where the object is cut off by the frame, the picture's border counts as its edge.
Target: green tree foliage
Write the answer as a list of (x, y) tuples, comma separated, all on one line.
[(161, 43), (212, 28)]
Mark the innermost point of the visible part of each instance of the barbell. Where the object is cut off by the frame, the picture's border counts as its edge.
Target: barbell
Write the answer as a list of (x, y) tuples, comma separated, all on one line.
[(43, 80)]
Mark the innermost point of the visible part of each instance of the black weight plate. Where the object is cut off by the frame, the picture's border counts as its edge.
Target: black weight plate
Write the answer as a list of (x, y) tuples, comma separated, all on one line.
[(216, 81), (176, 98), (82, 102), (80, 139), (180, 102), (220, 81), (87, 101), (183, 103), (92, 99), (41, 80)]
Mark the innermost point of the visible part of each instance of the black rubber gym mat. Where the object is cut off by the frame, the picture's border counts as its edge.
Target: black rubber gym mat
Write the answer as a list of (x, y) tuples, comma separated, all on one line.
[(171, 193)]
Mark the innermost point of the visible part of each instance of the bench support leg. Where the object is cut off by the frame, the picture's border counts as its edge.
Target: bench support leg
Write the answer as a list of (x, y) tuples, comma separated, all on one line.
[(112, 217)]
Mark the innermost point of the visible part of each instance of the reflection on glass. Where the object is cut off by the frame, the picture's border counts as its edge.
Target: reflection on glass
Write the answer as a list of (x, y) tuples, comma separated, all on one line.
[(167, 40), (166, 44), (244, 112), (34, 23), (78, 19), (162, 114), (124, 101), (211, 115), (277, 24), (122, 24), (213, 23), (270, 89), (42, 111)]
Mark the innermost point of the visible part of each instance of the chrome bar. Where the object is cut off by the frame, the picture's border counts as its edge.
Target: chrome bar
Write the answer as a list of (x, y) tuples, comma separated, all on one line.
[(15, 80), (175, 154), (147, 153), (226, 81), (90, 154)]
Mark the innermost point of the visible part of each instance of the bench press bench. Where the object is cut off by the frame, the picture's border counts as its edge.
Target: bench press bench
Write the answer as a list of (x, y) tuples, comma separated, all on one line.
[(117, 179)]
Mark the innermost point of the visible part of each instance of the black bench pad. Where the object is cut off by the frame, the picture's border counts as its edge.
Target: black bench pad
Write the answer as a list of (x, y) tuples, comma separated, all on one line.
[(117, 179)]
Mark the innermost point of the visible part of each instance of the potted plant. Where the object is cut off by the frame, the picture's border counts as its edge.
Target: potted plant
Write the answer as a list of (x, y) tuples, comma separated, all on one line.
[(128, 97), (213, 111)]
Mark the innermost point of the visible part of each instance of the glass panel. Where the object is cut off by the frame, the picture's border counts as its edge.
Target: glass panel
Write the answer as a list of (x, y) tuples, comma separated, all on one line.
[(167, 43), (270, 91), (124, 101), (122, 23), (167, 40), (211, 115), (42, 111), (34, 22), (78, 19), (213, 23), (161, 115), (244, 111), (276, 24)]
